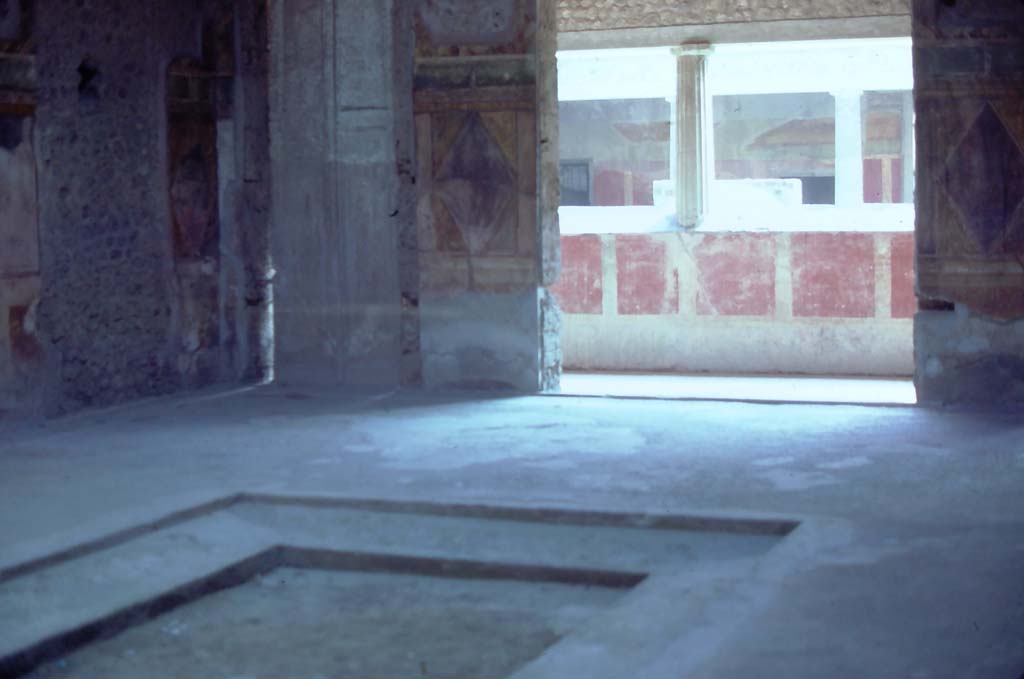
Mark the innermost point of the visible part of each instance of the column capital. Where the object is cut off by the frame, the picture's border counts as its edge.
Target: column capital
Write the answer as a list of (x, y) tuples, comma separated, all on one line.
[(847, 93), (693, 49)]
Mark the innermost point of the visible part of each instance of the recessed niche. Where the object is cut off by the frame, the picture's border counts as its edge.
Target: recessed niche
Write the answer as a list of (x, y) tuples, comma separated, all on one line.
[(88, 80), (346, 625), (273, 586)]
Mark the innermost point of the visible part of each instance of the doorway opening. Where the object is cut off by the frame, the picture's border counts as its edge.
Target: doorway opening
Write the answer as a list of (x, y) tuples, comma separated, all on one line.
[(737, 223)]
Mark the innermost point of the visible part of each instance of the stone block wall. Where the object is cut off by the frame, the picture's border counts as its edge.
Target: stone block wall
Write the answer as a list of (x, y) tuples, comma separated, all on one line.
[(751, 302)]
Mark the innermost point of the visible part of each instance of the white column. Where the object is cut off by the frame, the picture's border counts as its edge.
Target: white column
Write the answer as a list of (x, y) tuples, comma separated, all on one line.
[(691, 138), (849, 149), (673, 142), (908, 149)]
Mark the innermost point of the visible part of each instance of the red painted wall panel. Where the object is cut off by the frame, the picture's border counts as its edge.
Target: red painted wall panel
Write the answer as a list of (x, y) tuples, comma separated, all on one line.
[(580, 288), (736, 275), (833, 275), (904, 301), (609, 188), (645, 284), (874, 189), (872, 180)]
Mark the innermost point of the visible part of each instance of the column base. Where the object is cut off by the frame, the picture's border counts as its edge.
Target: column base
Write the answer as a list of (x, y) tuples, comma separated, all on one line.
[(962, 357)]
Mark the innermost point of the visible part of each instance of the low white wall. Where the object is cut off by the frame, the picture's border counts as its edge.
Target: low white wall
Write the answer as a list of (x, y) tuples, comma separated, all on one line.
[(774, 302)]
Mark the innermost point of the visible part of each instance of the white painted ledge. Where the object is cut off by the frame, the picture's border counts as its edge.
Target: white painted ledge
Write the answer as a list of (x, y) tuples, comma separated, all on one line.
[(805, 218)]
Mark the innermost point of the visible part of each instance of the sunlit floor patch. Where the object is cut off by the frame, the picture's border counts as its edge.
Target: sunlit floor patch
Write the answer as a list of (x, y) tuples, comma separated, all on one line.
[(788, 389)]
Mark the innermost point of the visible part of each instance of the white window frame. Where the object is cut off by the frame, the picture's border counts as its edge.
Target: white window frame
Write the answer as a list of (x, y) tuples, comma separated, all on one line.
[(639, 73), (877, 64)]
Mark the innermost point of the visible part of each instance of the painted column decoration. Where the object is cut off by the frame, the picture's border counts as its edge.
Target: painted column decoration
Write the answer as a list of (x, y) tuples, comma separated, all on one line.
[(691, 149), (969, 96), (199, 93), (21, 352), (481, 180), (969, 71)]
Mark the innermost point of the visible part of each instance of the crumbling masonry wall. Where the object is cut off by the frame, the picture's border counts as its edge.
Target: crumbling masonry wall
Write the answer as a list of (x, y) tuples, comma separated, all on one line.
[(105, 292), (108, 303)]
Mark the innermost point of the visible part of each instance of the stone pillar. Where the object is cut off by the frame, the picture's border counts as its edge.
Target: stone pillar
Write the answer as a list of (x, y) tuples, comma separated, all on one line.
[(849, 149), (110, 309), (487, 173), (550, 254), (691, 148), (336, 209), (907, 146), (969, 75)]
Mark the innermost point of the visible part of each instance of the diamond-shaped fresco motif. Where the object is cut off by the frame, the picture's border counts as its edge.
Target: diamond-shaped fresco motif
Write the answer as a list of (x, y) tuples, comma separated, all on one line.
[(447, 233), (502, 128), (445, 130), (476, 185), (985, 178)]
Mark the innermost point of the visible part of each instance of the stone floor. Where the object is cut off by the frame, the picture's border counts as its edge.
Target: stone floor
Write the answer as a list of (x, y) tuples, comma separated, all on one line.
[(909, 560), (50, 609)]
